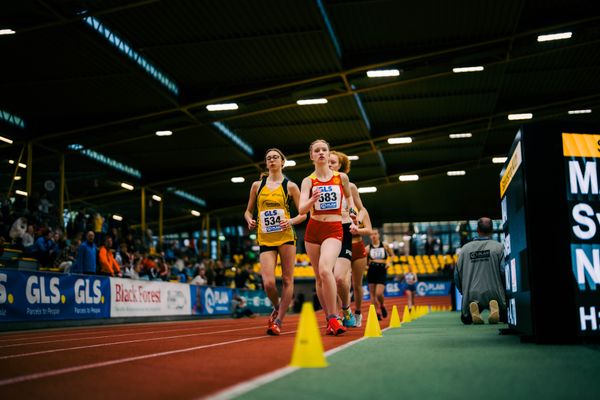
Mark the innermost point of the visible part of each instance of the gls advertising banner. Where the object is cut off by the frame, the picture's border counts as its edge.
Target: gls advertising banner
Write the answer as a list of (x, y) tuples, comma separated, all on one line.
[(133, 298), (396, 289), (209, 300), (35, 296)]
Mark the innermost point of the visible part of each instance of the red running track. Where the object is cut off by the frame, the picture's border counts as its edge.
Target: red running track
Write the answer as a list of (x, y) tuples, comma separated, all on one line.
[(179, 360)]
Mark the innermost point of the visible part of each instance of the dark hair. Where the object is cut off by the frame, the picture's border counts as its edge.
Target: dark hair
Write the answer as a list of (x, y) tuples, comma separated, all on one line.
[(485, 226), (266, 173)]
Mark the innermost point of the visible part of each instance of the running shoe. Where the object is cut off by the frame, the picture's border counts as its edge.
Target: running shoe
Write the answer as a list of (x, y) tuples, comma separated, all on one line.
[(273, 316), (274, 329), (358, 318), (494, 316), (349, 321), (474, 309), (384, 313), (335, 327)]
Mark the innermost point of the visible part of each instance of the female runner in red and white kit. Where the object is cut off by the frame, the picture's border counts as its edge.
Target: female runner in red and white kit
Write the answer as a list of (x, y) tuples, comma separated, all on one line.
[(272, 196), (322, 193), (352, 260)]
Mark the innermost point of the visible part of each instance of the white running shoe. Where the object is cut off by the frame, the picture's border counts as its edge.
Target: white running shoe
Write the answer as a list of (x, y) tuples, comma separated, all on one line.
[(358, 318)]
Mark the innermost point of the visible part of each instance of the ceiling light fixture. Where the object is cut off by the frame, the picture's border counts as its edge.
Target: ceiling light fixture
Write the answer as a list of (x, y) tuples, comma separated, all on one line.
[(6, 140), (554, 36), (408, 178), (238, 179), (222, 107), (289, 163), (367, 189), (399, 140), (458, 70), (21, 193), (499, 160), (456, 173), (353, 158), (516, 117), (164, 133), (117, 217), (7, 32), (126, 186), (309, 102), (156, 198), (195, 213), (382, 73), (460, 135), (586, 111)]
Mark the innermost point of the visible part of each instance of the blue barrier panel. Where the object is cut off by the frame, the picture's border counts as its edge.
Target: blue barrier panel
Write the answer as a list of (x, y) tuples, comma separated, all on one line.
[(36, 296), (208, 300), (396, 289), (256, 300)]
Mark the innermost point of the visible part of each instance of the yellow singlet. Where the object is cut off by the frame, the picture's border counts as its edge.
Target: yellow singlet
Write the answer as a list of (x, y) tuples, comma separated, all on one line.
[(272, 207)]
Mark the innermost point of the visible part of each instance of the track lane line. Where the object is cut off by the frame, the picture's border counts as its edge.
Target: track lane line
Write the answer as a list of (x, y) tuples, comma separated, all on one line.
[(104, 336), (62, 371), (254, 383), (35, 353)]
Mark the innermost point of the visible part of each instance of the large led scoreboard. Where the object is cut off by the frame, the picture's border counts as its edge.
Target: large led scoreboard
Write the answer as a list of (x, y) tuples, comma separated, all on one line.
[(550, 201)]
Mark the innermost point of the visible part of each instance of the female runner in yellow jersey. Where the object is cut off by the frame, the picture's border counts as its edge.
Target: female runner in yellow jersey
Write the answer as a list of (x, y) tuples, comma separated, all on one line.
[(352, 260), (321, 194), (272, 195)]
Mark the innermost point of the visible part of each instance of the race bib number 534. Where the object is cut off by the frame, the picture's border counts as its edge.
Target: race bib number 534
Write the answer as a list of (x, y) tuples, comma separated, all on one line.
[(330, 198), (270, 219)]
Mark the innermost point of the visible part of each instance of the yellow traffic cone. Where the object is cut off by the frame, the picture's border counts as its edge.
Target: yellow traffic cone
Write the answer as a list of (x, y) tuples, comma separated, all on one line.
[(373, 329), (395, 320), (406, 315), (308, 348)]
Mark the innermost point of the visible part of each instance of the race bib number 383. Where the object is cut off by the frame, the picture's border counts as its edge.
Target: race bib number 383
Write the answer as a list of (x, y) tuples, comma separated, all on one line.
[(270, 219), (330, 198)]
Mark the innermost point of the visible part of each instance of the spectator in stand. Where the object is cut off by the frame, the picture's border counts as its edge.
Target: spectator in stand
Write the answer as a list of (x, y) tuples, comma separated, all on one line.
[(44, 248), (64, 261), (242, 277), (219, 273), (163, 268), (108, 265), (18, 229), (27, 239), (210, 271), (2, 240), (98, 221), (148, 267), (86, 256), (200, 279)]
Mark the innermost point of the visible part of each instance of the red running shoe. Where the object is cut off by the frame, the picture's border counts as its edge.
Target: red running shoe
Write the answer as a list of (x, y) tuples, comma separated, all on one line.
[(273, 316), (274, 329), (335, 327)]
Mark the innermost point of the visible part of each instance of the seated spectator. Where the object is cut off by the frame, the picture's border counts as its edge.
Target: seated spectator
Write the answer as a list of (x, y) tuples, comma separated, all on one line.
[(107, 263), (44, 248), (200, 279), (2, 240), (242, 277), (18, 228), (147, 267), (239, 308), (65, 259), (27, 239)]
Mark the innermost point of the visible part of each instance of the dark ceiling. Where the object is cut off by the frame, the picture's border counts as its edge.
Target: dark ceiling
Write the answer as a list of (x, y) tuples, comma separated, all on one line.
[(70, 85)]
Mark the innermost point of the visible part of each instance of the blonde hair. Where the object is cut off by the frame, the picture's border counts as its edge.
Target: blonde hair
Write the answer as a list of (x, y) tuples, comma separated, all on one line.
[(343, 160)]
